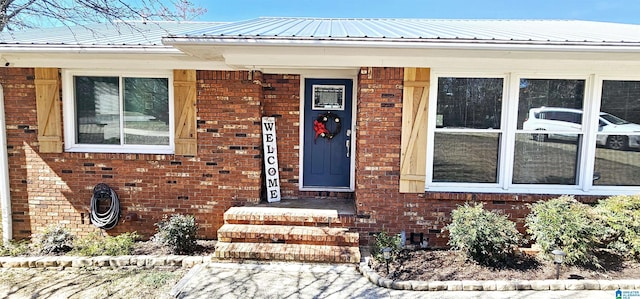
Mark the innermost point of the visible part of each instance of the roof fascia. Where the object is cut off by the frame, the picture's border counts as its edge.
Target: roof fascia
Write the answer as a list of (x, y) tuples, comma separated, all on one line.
[(98, 49), (496, 45)]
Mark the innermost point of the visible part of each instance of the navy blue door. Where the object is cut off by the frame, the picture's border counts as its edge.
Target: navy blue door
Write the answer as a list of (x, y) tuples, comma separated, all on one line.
[(327, 133)]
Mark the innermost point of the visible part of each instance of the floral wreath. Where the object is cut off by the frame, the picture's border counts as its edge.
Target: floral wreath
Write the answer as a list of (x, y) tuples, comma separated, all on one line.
[(320, 125)]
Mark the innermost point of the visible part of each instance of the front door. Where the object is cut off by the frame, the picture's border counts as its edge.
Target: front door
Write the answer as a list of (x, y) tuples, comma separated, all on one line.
[(327, 134)]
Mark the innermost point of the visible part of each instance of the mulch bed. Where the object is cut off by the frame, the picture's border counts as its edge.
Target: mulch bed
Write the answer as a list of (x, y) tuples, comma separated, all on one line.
[(443, 265)]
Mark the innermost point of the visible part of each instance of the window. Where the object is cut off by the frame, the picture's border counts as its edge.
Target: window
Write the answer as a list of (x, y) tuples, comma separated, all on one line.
[(617, 152), (534, 135), (548, 110), (114, 113), (328, 97), (468, 117)]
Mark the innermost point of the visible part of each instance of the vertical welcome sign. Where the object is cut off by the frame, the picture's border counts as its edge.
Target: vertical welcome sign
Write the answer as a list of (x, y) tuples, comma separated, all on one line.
[(270, 158)]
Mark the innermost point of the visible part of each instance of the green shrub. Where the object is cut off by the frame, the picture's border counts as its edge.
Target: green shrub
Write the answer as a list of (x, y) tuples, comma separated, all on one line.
[(566, 224), (178, 232), (16, 248), (383, 240), (96, 244), (621, 215), (54, 240), (486, 237)]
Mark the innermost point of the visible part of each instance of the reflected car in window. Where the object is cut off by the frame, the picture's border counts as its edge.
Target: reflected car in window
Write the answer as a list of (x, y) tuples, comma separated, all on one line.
[(564, 123)]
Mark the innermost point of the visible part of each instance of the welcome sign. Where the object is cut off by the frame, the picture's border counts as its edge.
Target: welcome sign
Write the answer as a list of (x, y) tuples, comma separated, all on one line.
[(270, 148)]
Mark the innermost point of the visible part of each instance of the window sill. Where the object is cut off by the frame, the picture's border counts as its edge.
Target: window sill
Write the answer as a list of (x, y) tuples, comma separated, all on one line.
[(539, 189), (120, 150)]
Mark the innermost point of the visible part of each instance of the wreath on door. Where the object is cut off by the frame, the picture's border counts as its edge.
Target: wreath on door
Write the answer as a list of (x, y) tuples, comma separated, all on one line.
[(320, 125)]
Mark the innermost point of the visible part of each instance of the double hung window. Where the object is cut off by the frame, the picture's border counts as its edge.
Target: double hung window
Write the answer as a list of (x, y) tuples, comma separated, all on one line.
[(517, 133)]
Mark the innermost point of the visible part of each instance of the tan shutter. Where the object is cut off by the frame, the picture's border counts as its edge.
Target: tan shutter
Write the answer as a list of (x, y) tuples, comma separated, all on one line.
[(184, 88), (47, 84), (415, 103)]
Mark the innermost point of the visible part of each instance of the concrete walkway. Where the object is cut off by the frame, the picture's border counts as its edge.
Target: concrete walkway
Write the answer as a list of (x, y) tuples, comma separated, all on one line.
[(296, 280)]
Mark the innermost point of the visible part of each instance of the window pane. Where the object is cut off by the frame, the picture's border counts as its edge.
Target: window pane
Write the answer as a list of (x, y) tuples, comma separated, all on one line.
[(469, 103), (545, 162), (551, 104), (466, 157), (97, 110), (618, 140), (146, 111)]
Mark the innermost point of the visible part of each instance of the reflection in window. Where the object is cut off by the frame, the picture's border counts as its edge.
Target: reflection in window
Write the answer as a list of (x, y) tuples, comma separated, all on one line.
[(468, 132), (550, 114), (555, 93), (466, 157), (617, 160), (545, 162), (100, 118), (146, 111), (97, 110), (474, 103)]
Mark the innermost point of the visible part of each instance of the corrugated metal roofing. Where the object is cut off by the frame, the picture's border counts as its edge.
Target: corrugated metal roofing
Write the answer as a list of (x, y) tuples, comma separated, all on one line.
[(138, 33), (129, 33), (494, 30)]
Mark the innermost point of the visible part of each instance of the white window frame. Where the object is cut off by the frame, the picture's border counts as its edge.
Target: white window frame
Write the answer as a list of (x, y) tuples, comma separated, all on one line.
[(586, 152), (69, 113), (433, 107)]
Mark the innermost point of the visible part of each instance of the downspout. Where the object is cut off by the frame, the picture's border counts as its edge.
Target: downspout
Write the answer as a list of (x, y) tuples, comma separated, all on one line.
[(5, 196)]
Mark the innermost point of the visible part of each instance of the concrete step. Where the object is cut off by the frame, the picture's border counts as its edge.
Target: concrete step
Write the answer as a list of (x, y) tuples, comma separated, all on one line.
[(334, 236), (281, 216), (288, 252)]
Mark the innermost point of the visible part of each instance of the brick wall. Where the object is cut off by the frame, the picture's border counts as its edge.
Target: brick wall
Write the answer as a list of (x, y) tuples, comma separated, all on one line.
[(49, 189), (282, 100)]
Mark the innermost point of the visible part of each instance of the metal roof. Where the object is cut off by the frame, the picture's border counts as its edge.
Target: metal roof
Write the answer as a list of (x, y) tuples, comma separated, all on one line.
[(119, 33), (550, 31), (150, 33)]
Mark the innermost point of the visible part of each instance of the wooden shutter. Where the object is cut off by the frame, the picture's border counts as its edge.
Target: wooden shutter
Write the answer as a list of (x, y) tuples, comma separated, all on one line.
[(413, 154), (47, 84), (184, 88)]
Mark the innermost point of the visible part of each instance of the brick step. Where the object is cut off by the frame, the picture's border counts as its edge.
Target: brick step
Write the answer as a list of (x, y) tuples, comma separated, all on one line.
[(234, 233), (281, 216), (288, 252)]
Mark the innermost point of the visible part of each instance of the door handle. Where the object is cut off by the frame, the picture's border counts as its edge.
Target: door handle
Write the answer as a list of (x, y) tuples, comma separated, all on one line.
[(348, 144)]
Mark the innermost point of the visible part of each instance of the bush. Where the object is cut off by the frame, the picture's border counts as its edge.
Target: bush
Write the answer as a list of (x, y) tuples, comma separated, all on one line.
[(486, 237), (96, 244), (54, 240), (383, 240), (566, 224), (16, 248), (178, 233), (621, 216)]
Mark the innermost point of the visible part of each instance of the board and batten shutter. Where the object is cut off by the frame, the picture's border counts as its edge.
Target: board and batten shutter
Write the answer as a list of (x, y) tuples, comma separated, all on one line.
[(413, 155), (47, 83), (184, 88)]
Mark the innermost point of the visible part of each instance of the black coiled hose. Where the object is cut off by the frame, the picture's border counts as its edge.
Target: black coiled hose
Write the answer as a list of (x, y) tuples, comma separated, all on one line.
[(108, 219)]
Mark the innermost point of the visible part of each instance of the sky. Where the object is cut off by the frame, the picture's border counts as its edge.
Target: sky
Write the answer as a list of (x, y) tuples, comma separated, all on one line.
[(620, 11)]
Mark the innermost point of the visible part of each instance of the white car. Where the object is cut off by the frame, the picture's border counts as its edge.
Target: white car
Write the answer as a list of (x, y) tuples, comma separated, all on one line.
[(565, 123)]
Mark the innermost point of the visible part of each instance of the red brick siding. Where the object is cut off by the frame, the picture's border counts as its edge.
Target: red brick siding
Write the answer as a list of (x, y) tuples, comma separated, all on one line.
[(49, 189), (282, 100)]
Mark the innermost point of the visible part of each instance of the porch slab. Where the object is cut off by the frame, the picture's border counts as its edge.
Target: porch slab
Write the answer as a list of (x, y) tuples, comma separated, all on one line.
[(280, 216)]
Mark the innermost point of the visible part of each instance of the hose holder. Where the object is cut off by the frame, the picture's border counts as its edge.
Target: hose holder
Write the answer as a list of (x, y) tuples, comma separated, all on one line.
[(108, 219)]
